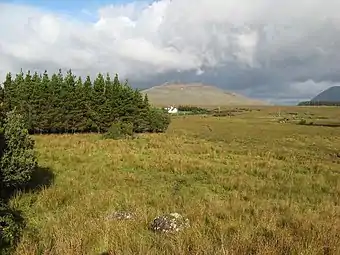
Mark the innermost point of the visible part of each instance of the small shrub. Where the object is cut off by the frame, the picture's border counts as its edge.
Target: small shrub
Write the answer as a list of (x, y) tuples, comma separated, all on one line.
[(158, 120), (192, 109), (10, 228), (17, 165), (302, 122), (17, 162), (225, 113), (119, 130)]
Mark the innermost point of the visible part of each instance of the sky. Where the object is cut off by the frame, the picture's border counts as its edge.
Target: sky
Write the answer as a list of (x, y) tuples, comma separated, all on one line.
[(282, 51)]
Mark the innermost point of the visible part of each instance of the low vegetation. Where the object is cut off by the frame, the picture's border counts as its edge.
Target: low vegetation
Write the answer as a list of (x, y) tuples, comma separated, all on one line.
[(319, 103), (247, 184), (188, 109)]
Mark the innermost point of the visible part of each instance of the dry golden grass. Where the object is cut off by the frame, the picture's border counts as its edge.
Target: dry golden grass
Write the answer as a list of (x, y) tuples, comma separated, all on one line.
[(248, 184)]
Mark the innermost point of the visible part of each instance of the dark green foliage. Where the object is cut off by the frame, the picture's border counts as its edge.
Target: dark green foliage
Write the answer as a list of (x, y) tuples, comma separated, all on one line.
[(17, 161), (318, 103), (157, 120), (231, 112), (10, 228), (119, 130), (302, 122), (192, 109), (17, 165), (67, 104)]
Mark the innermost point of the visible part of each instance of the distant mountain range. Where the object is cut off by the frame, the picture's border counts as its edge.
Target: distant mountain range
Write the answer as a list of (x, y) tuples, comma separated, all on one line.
[(196, 94), (330, 96)]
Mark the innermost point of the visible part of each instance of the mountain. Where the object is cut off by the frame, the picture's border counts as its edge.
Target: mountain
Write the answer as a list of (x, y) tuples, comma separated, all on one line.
[(196, 94), (331, 94)]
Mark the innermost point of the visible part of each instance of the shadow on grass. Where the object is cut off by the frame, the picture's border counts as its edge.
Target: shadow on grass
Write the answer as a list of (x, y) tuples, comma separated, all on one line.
[(41, 178), (11, 221), (326, 125), (11, 225), (334, 125)]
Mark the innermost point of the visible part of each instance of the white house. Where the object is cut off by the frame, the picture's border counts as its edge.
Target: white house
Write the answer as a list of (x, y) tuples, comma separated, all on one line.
[(171, 109)]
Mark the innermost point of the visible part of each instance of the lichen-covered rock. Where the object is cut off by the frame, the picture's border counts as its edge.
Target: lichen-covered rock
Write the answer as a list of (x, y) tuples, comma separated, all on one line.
[(121, 215), (172, 222)]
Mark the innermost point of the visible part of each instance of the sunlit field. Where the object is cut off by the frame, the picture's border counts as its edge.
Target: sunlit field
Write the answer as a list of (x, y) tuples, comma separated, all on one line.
[(247, 183)]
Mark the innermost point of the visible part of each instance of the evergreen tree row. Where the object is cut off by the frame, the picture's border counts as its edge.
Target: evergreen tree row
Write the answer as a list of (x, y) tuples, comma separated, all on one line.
[(65, 103), (318, 103)]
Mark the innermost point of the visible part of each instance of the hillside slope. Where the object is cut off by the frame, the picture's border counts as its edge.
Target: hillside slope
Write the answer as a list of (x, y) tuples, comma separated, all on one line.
[(331, 94), (196, 94)]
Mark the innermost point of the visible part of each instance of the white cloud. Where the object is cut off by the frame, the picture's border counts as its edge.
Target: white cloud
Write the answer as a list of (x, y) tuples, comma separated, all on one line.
[(280, 43)]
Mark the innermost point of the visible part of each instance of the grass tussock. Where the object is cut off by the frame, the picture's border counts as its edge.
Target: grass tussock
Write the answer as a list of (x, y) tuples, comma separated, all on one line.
[(248, 184)]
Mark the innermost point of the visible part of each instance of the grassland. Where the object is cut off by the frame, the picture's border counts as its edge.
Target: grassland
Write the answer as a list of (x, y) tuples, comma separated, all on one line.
[(248, 184)]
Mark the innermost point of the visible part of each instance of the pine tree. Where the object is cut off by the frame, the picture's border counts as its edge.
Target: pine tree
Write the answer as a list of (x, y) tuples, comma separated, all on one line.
[(98, 101), (8, 92), (60, 107), (43, 103), (17, 85), (106, 110), (69, 99), (78, 110), (146, 101), (66, 104), (24, 92), (116, 82), (140, 123), (2, 94), (54, 111), (87, 105)]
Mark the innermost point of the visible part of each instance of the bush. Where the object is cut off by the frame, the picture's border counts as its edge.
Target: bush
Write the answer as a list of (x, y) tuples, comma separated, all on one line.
[(302, 122), (17, 164), (151, 121), (158, 120), (225, 113), (10, 228), (119, 130), (193, 109), (17, 159)]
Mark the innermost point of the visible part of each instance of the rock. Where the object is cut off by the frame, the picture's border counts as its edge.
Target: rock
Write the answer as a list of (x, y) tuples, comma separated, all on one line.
[(121, 215), (172, 222), (284, 120)]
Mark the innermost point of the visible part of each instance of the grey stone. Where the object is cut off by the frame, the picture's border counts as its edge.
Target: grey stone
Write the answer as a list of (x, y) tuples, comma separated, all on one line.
[(172, 222), (121, 215)]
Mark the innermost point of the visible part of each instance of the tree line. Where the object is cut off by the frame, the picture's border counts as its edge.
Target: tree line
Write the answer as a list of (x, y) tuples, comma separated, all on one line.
[(318, 103), (68, 104)]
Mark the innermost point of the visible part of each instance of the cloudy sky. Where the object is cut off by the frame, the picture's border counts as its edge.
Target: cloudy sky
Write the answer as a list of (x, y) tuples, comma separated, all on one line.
[(279, 50)]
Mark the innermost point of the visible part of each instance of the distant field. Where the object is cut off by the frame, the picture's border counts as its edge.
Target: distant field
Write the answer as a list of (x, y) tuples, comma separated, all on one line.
[(247, 183)]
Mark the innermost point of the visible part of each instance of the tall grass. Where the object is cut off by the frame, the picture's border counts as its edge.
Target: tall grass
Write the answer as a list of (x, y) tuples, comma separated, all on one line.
[(248, 185)]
